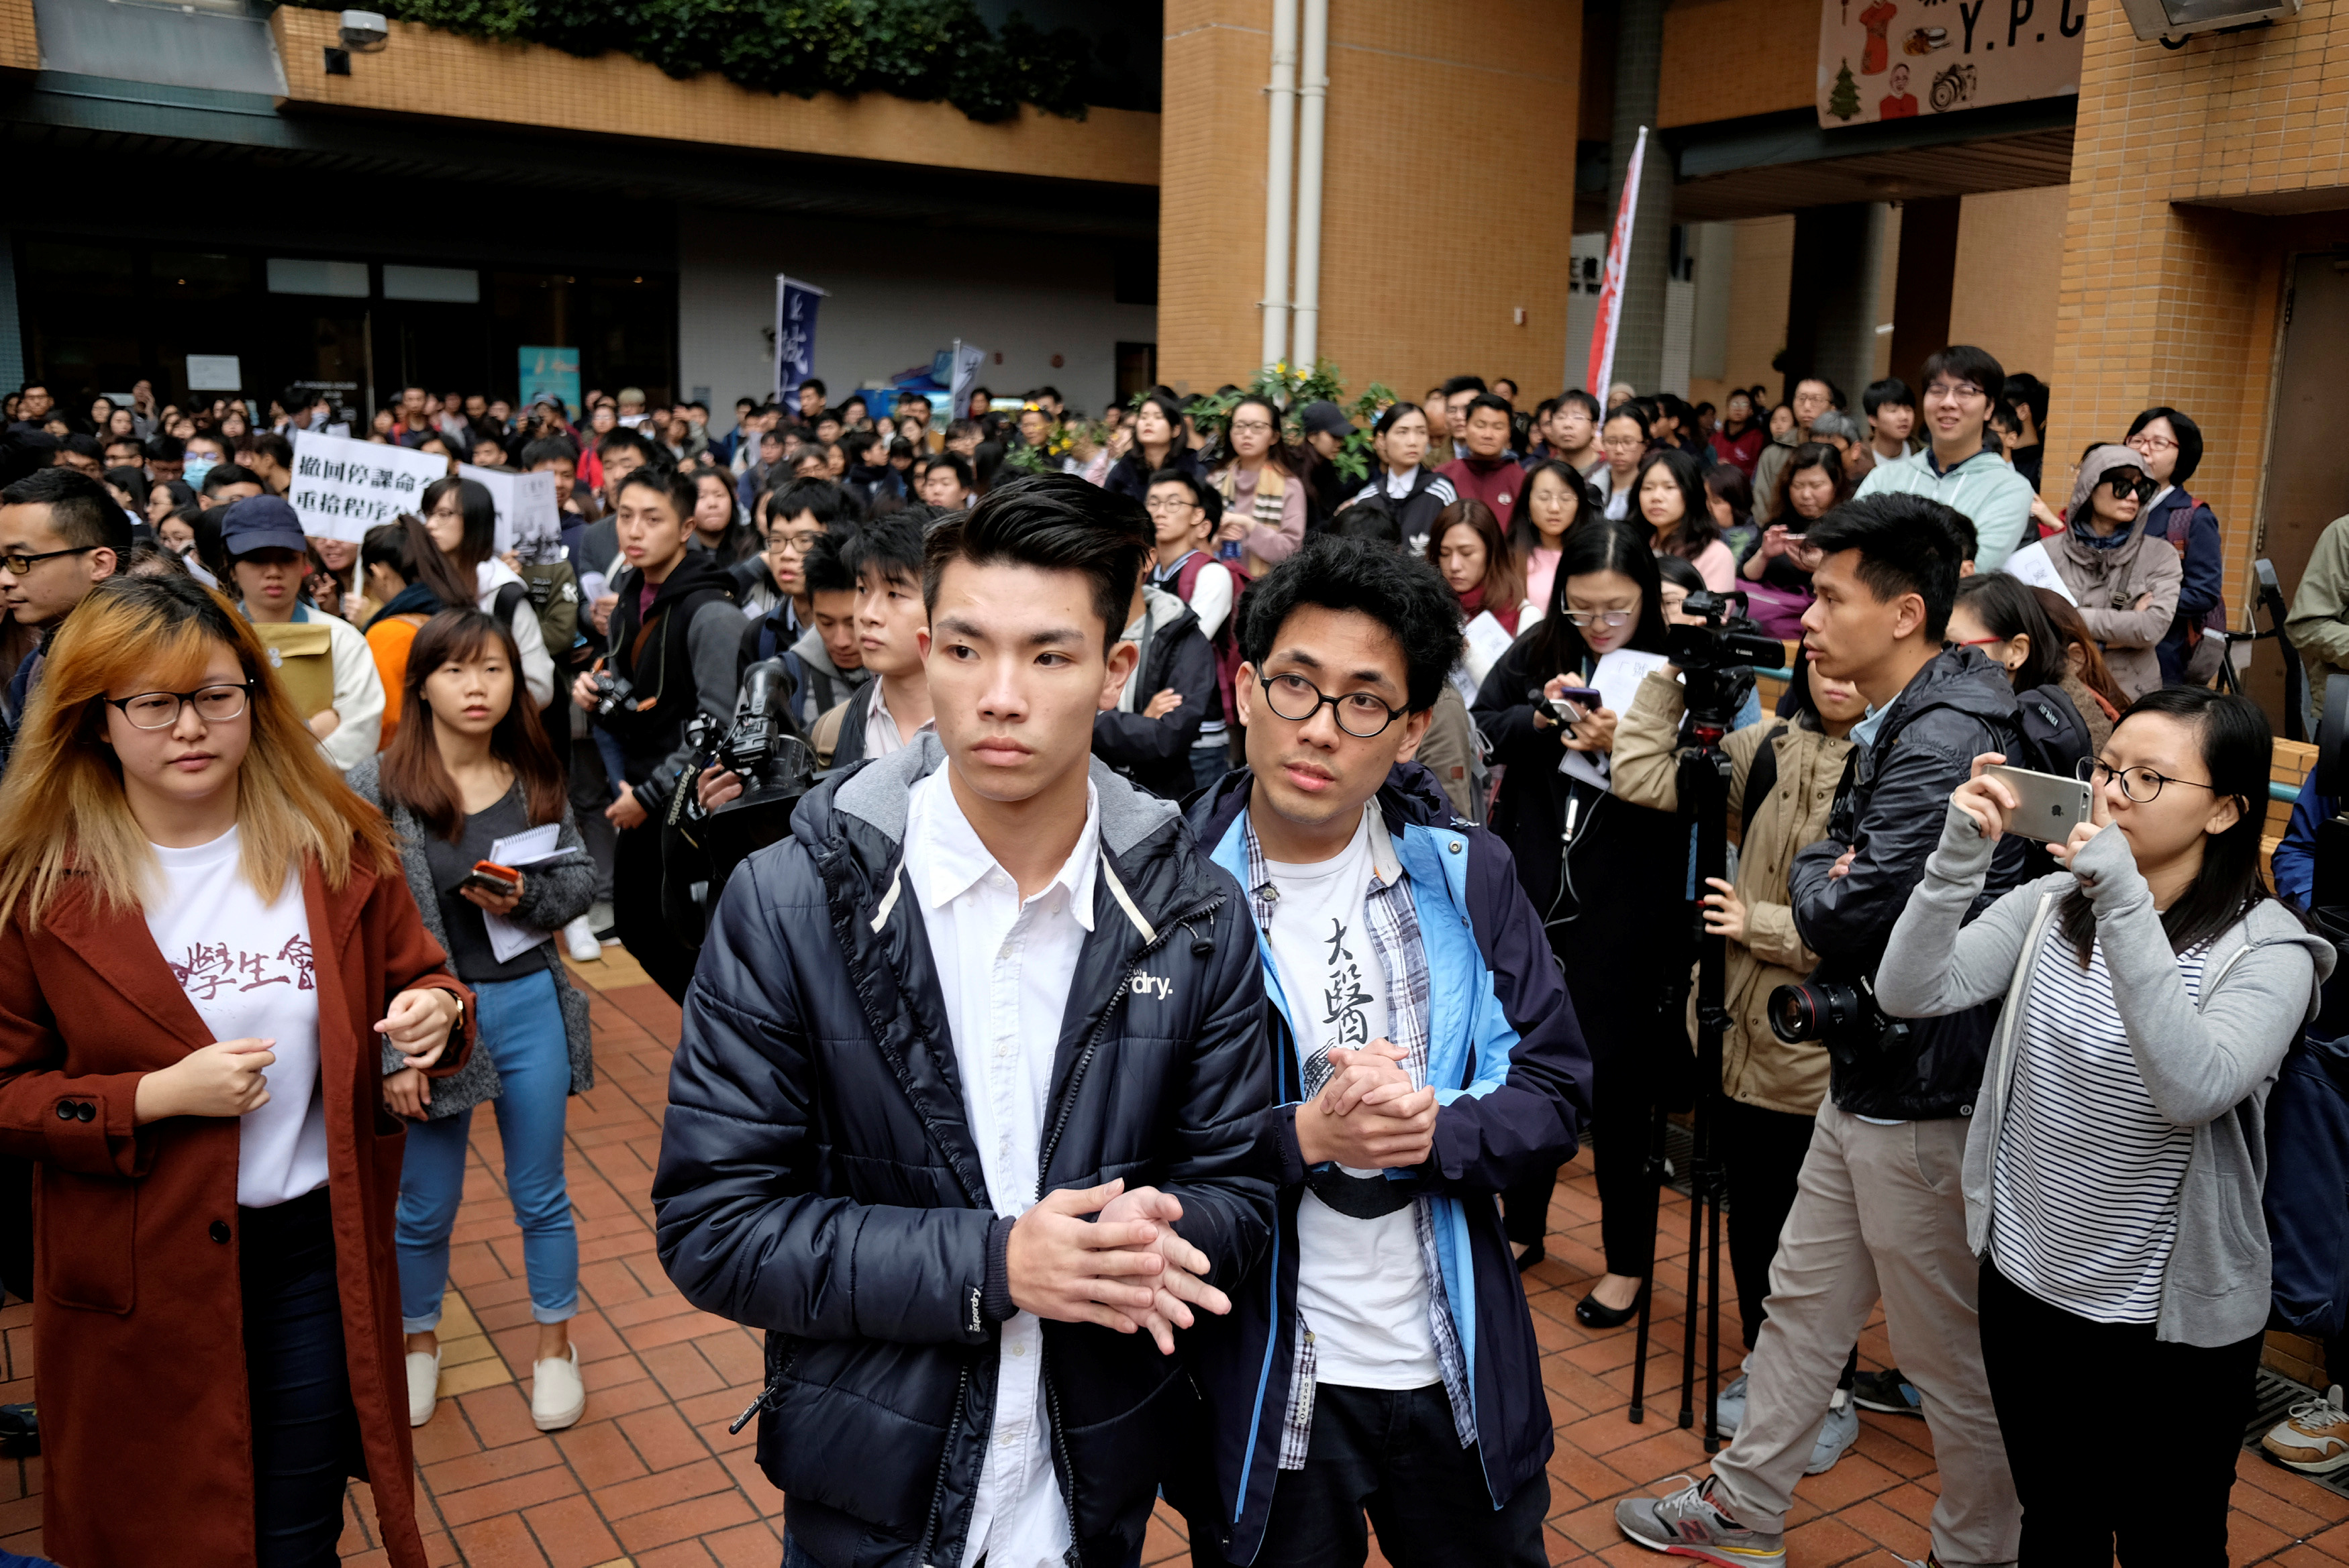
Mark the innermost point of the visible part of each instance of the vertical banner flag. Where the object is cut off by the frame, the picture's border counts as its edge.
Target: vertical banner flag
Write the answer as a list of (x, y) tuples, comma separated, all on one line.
[(343, 488), (967, 361), (1611, 292), (528, 519), (795, 304)]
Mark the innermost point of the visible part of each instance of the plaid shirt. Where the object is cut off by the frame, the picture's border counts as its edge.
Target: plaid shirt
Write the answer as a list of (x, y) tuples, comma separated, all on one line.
[(1394, 938)]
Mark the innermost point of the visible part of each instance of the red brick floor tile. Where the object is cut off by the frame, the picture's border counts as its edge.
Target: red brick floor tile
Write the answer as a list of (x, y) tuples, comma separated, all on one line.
[(499, 1541), (698, 1517)]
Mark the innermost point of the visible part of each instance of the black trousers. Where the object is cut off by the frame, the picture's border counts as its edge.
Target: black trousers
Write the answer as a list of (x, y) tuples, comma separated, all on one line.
[(1762, 1156), (1395, 1456), (2161, 1502), (306, 1432), (637, 911), (1625, 1083)]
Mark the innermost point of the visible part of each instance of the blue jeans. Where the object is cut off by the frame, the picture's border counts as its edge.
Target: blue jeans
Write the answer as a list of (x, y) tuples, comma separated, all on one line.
[(521, 1028), (1210, 763)]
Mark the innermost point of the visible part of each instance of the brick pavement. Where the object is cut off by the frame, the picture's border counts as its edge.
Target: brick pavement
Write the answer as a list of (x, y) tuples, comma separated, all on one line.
[(650, 1480)]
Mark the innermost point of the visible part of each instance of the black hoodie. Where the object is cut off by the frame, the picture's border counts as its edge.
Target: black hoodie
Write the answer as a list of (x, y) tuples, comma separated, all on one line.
[(679, 655)]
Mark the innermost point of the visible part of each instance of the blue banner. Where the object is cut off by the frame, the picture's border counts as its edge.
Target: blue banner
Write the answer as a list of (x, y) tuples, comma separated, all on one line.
[(549, 371), (795, 308)]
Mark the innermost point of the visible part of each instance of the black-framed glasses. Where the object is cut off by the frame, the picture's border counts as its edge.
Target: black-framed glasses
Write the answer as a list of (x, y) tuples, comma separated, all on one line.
[(2123, 486), (2140, 784), (1169, 505), (1296, 699), (17, 564), (162, 709)]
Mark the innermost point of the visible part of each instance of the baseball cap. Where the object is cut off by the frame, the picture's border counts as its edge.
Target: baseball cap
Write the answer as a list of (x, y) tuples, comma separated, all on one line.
[(1326, 419), (261, 522)]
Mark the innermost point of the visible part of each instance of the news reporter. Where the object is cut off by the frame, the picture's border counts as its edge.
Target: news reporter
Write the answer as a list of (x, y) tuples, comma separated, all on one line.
[(206, 945), (2114, 1160)]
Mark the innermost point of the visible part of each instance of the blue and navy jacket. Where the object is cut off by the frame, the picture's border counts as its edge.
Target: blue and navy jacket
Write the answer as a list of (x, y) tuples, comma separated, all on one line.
[(1513, 1079)]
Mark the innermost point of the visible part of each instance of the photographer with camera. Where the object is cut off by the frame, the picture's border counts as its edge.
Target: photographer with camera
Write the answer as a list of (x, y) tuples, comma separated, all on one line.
[(1879, 1213), (1785, 774), (2115, 1163), (673, 638), (1609, 878)]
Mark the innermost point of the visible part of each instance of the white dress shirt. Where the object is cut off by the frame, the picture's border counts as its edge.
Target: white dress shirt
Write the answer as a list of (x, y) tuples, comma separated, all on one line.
[(881, 737), (1005, 965)]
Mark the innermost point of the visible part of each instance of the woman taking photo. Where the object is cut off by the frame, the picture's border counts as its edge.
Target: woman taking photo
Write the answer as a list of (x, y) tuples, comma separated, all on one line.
[(2124, 582), (2001, 615), (1776, 574), (268, 561), (1264, 501), (1552, 500), (1152, 442), (1413, 494), (1476, 562), (205, 941), (463, 522), (1672, 497), (1610, 880), (471, 767), (2115, 1156)]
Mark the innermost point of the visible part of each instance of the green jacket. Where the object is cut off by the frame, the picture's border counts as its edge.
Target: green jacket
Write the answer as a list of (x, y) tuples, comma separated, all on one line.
[(1993, 496), (2319, 623)]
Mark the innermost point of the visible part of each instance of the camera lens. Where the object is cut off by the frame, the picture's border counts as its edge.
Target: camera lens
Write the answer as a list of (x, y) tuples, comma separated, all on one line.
[(1796, 1013)]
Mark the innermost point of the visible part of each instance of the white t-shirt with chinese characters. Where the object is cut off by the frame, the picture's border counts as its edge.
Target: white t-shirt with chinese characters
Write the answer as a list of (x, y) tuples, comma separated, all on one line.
[(246, 965), (1362, 1284)]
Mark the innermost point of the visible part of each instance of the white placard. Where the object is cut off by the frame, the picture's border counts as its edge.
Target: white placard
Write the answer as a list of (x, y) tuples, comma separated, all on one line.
[(214, 373), (527, 513), (1616, 678), (2034, 566), (343, 488)]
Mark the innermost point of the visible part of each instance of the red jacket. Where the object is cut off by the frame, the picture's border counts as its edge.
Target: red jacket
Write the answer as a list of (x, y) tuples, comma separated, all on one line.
[(139, 1317), (1743, 451), (1494, 481)]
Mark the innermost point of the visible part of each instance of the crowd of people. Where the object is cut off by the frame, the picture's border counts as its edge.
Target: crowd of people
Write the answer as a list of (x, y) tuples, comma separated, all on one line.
[(1242, 856)]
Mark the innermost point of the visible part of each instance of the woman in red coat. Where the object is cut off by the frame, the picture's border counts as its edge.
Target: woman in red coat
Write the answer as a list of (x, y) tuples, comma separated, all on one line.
[(209, 959)]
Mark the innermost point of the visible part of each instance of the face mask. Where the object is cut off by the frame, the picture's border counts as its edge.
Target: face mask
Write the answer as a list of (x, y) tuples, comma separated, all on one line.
[(192, 473)]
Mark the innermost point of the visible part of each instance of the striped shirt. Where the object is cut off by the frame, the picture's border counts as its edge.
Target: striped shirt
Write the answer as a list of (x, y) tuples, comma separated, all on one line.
[(2085, 1176)]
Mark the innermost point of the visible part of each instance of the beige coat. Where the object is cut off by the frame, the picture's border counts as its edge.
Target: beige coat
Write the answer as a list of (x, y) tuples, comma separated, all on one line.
[(2107, 583), (1756, 1066)]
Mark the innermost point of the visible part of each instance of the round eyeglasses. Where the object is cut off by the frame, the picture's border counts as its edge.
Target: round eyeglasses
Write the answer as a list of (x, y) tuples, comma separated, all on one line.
[(160, 709), (1584, 620), (2142, 785), (1296, 699)]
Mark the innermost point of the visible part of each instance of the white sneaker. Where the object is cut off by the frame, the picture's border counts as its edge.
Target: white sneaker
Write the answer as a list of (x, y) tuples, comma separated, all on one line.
[(1839, 1432), (2315, 1438), (558, 1398), (423, 1386), (579, 940)]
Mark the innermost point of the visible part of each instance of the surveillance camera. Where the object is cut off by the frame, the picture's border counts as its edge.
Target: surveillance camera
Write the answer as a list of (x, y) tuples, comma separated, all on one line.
[(365, 31)]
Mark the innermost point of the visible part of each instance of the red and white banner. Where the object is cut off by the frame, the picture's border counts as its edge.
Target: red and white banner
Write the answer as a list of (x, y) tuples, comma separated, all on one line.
[(1611, 292)]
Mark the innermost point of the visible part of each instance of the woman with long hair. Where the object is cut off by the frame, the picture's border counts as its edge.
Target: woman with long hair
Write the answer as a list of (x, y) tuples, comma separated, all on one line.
[(2115, 1155), (1670, 491), (1469, 552), (1778, 568), (1624, 438), (1552, 499), (1728, 496), (208, 958), (1738, 439), (1264, 499), (2001, 615), (406, 573), (2094, 694), (715, 522), (1414, 493), (472, 768), (1151, 443), (463, 522), (1611, 882)]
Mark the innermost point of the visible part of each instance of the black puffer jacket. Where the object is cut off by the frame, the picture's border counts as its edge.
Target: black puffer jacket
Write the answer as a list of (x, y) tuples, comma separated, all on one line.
[(1156, 753), (1952, 710), (818, 1178)]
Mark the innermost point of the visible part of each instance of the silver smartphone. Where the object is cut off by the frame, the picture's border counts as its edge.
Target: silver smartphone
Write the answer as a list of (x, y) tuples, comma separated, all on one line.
[(2049, 805)]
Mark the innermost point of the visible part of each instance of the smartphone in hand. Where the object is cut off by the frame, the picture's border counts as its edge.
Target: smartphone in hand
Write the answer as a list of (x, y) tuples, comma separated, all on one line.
[(497, 880)]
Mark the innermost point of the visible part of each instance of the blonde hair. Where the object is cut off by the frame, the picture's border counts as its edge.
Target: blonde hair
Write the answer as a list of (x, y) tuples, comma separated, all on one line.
[(63, 812)]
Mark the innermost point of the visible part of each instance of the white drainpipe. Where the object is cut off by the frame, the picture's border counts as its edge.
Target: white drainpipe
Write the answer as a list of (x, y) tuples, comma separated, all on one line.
[(1279, 178), (1314, 92)]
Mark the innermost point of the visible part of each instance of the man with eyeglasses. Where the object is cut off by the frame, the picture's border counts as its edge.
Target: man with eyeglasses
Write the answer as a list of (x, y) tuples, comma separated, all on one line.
[(1382, 1361), (61, 535), (1814, 395), (1185, 511), (1962, 383)]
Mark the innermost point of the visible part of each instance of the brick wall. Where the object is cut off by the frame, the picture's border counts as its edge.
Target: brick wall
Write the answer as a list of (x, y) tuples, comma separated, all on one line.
[(1728, 59), (2009, 268), (1430, 240), (427, 72), (18, 49)]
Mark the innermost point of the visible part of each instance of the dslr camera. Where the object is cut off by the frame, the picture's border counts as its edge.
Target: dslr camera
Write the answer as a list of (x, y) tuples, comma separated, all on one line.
[(1841, 1015), (615, 695)]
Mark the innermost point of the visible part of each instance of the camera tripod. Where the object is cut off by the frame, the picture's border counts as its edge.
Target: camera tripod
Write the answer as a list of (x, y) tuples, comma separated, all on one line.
[(1703, 781)]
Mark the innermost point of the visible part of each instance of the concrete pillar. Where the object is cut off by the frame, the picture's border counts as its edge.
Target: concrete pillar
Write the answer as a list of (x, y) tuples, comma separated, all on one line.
[(1639, 69)]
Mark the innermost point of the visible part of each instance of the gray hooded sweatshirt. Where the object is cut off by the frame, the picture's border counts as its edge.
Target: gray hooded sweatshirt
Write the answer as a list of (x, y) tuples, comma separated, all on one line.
[(2208, 1068)]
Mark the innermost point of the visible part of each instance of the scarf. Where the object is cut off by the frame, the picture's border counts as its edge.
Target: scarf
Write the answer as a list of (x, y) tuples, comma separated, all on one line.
[(1473, 602), (416, 599)]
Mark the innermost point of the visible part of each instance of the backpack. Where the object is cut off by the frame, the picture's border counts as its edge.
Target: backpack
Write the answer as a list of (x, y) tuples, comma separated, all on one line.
[(2051, 743), (2307, 1196), (1225, 642)]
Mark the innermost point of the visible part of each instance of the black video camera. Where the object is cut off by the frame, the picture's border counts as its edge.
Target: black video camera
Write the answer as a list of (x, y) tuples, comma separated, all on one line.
[(701, 849), (1717, 659)]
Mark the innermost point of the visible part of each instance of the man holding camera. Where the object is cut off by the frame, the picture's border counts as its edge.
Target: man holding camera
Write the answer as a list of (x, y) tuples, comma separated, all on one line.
[(1880, 1213)]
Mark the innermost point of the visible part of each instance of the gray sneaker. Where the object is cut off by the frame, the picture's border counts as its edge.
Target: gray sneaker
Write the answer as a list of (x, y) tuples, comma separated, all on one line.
[(1733, 1406), (1836, 1433), (1687, 1523)]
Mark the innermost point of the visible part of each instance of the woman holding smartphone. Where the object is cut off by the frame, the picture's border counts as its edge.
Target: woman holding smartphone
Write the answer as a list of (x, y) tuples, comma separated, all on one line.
[(2115, 1156), (207, 960), (469, 765)]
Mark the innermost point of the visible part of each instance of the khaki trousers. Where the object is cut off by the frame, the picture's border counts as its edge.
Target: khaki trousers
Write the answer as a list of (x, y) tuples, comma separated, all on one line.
[(1880, 1214)]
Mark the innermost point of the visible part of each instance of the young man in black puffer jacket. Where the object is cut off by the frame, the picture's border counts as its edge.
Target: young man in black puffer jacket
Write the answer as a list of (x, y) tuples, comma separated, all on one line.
[(967, 1107)]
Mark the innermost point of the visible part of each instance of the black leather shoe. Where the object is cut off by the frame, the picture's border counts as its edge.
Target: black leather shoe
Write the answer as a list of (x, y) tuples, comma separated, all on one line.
[(1591, 1313), (1530, 1256)]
